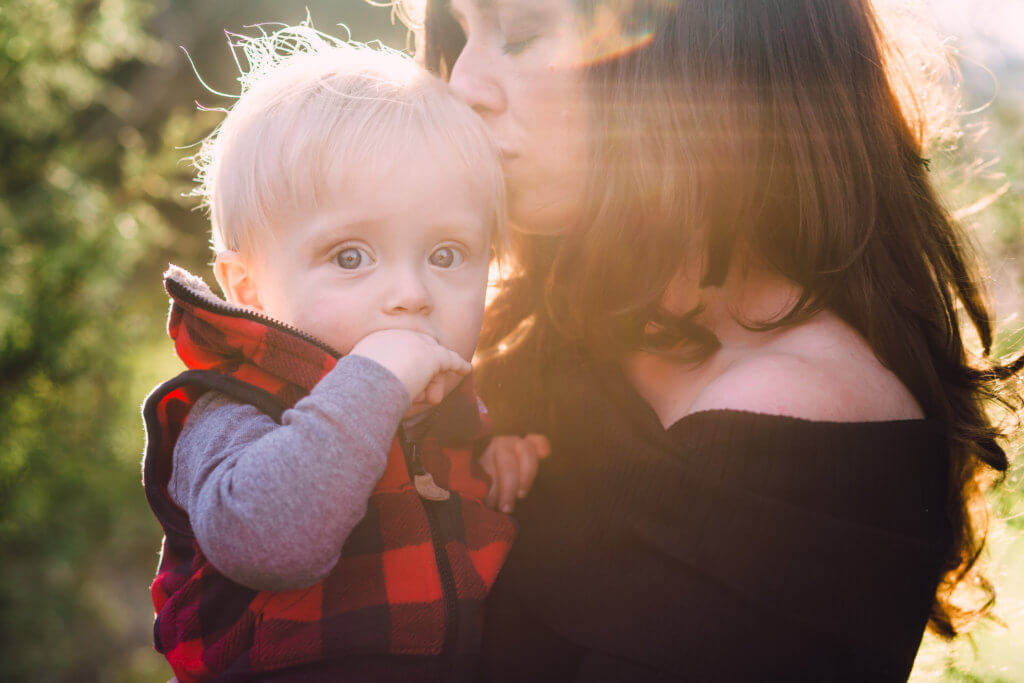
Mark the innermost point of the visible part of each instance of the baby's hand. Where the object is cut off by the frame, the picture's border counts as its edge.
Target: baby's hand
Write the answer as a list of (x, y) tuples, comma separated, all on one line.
[(425, 367), (511, 462)]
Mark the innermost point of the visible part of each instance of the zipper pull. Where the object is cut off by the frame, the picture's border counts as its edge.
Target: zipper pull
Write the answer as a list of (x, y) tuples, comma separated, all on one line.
[(423, 481)]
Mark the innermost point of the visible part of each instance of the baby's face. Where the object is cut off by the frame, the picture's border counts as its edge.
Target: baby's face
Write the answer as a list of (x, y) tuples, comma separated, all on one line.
[(407, 248)]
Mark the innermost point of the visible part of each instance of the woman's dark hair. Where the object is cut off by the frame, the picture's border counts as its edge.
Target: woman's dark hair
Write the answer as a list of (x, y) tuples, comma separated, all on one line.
[(774, 130)]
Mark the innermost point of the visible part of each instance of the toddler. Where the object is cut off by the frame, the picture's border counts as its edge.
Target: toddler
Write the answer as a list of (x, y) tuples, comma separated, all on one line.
[(317, 468)]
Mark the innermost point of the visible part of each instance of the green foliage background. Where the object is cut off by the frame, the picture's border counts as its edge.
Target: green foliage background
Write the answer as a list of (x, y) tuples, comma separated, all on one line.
[(96, 104)]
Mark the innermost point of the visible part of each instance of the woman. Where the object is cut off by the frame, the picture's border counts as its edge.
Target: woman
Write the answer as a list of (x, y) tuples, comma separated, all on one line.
[(735, 311)]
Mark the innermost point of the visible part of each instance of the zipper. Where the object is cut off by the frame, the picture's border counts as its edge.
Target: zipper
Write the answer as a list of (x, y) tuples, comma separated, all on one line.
[(413, 463), (180, 291)]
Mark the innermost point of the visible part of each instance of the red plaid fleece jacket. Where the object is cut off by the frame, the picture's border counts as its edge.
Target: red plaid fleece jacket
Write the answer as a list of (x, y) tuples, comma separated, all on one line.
[(413, 574)]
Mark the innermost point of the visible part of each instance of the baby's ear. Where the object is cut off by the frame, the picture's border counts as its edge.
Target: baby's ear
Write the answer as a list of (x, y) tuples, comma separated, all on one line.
[(237, 278)]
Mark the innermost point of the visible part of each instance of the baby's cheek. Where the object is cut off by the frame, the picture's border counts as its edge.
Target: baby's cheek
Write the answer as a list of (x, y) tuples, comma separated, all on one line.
[(468, 332), (342, 333), (466, 345)]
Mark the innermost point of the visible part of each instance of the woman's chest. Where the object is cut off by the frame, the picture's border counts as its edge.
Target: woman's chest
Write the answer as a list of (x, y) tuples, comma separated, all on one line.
[(670, 387)]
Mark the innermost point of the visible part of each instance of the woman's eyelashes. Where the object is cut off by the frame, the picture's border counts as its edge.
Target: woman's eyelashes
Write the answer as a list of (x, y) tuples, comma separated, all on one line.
[(520, 32), (519, 44), (514, 34)]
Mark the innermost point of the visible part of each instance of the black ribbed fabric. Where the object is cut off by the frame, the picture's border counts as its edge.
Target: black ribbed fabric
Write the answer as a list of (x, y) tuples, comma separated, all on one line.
[(732, 546)]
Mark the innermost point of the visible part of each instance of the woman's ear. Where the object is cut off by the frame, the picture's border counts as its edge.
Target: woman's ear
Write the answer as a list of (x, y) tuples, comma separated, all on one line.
[(238, 279)]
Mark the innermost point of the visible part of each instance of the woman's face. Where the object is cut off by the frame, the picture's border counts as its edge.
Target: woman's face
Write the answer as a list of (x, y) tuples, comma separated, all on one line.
[(521, 71)]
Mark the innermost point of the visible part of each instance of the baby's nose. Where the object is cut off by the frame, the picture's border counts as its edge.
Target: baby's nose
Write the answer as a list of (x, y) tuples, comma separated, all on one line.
[(409, 294)]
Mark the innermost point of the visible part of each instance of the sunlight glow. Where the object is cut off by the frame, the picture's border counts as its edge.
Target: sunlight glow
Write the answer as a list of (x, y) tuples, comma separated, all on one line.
[(989, 28), (606, 37)]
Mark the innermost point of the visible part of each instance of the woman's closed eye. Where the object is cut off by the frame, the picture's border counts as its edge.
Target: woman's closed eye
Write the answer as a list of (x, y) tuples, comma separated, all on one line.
[(446, 257), (353, 258), (519, 43), (520, 32)]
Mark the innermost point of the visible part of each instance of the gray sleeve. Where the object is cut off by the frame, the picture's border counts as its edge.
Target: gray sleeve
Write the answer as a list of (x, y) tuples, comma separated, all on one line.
[(271, 505)]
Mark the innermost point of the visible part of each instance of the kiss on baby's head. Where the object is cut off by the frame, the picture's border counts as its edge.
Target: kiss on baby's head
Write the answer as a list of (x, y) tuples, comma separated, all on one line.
[(350, 192)]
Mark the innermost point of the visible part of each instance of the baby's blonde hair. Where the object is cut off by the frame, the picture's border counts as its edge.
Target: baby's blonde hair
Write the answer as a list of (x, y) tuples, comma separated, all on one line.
[(310, 101)]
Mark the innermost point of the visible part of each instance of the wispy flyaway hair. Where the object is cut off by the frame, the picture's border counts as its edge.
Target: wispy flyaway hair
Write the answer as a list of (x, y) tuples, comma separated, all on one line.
[(314, 110)]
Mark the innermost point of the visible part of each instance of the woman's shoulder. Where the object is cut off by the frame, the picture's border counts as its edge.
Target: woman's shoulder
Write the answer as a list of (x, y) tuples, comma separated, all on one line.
[(821, 370)]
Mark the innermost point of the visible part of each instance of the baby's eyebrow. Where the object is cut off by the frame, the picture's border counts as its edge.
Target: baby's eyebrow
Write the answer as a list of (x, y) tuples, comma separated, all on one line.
[(467, 229), (463, 229), (327, 232)]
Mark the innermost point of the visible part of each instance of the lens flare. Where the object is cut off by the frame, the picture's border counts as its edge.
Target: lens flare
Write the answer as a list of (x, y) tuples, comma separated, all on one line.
[(610, 29)]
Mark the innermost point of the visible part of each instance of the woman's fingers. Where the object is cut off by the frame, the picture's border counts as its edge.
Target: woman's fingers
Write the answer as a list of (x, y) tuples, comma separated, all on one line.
[(541, 445), (487, 463), (501, 462), (507, 466), (511, 462), (528, 458)]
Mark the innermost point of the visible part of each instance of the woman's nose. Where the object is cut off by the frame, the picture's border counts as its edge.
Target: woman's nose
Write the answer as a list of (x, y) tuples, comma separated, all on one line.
[(477, 81)]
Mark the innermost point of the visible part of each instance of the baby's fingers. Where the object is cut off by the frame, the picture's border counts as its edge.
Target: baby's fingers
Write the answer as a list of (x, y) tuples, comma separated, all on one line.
[(453, 362), (435, 391)]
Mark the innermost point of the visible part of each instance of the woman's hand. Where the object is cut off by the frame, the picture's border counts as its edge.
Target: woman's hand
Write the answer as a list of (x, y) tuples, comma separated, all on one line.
[(511, 462)]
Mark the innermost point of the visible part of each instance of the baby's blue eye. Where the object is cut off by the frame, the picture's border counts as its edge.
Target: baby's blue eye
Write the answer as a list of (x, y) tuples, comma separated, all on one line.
[(445, 257), (351, 258)]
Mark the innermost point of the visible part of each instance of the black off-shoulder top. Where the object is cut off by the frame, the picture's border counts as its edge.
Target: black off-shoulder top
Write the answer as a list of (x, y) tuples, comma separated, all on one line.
[(732, 546)]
